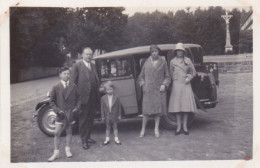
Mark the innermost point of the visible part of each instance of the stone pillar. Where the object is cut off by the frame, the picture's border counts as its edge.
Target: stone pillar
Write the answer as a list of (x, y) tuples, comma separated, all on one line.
[(228, 46)]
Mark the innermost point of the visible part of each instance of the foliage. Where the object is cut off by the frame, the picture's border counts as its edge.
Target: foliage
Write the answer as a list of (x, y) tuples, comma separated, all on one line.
[(42, 36), (32, 35), (246, 41), (147, 29), (98, 28), (204, 27)]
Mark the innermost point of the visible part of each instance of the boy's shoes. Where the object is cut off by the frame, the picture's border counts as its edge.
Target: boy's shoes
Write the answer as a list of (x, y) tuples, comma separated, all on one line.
[(68, 153), (117, 141), (106, 142), (54, 156), (141, 134), (156, 133), (91, 141)]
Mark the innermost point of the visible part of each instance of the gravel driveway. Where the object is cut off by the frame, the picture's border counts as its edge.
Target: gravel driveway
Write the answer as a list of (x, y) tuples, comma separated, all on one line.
[(222, 134)]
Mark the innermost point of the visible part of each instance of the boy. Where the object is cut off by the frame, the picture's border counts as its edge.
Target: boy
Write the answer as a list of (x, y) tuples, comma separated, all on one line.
[(64, 100), (110, 111)]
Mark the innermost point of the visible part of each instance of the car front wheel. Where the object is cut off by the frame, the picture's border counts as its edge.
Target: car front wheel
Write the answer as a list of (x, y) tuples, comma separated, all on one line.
[(46, 120)]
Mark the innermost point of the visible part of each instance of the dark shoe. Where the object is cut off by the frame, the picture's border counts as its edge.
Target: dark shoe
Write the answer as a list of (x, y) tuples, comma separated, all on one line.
[(92, 141), (186, 132), (105, 143), (85, 146), (177, 132)]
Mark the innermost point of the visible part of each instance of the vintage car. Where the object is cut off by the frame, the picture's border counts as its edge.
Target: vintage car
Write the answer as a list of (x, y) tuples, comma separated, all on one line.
[(123, 67)]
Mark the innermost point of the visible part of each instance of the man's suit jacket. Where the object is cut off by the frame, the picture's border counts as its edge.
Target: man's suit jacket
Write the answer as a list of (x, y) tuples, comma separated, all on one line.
[(65, 100), (80, 76), (116, 109)]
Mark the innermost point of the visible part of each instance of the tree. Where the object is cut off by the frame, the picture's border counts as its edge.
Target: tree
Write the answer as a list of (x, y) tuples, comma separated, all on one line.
[(31, 29), (39, 35), (235, 29), (98, 28), (205, 27), (246, 41), (209, 30), (150, 28)]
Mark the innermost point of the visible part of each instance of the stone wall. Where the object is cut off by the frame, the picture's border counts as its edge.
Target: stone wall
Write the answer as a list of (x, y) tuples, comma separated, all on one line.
[(232, 63)]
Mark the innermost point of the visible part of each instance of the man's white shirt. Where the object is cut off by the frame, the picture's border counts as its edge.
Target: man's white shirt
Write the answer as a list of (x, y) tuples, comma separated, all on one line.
[(87, 64), (65, 84), (110, 97)]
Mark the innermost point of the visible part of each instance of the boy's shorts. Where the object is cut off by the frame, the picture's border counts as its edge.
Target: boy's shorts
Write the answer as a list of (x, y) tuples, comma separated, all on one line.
[(60, 120)]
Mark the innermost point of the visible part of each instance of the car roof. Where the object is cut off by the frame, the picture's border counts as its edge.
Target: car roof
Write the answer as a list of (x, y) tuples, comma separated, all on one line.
[(141, 50)]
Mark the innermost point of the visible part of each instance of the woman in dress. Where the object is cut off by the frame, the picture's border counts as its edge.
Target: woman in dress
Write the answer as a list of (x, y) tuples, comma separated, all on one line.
[(154, 80), (182, 101)]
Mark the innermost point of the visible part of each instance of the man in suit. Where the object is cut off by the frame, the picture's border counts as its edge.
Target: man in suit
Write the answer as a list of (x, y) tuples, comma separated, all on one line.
[(84, 75)]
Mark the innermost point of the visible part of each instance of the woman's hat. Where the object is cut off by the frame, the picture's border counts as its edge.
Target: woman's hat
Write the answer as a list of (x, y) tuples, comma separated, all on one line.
[(152, 47), (179, 46)]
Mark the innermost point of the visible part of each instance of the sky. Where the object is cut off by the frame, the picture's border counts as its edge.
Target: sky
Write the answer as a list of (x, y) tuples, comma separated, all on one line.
[(131, 10)]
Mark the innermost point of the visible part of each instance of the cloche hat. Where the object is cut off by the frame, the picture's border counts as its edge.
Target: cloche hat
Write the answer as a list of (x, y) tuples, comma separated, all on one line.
[(179, 46)]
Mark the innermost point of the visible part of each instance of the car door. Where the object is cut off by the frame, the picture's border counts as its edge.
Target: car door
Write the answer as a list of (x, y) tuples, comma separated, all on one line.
[(120, 72)]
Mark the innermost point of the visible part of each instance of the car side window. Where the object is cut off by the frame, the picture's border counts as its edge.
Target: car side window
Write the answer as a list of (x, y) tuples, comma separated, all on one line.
[(115, 68)]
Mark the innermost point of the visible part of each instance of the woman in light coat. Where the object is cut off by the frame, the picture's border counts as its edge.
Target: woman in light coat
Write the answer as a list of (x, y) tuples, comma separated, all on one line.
[(154, 80), (182, 101)]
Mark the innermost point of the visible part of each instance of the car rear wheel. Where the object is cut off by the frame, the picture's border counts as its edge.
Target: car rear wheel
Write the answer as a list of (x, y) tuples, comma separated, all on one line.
[(46, 120), (168, 121)]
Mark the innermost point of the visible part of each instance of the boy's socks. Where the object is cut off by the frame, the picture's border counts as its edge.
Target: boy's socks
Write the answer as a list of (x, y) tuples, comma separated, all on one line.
[(68, 153), (54, 156), (117, 141), (106, 141)]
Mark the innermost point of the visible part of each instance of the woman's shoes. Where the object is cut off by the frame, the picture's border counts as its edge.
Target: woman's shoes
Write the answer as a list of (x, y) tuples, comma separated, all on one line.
[(178, 132), (182, 131), (186, 132)]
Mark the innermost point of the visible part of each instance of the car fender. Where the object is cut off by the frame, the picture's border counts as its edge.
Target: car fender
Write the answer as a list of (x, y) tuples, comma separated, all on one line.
[(42, 104)]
